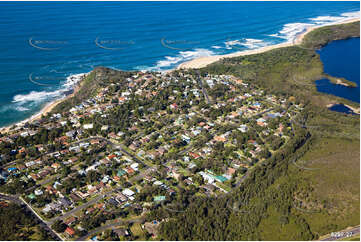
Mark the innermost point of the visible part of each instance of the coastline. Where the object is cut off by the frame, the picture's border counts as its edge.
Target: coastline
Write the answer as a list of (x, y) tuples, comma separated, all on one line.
[(192, 64), (204, 61), (48, 107)]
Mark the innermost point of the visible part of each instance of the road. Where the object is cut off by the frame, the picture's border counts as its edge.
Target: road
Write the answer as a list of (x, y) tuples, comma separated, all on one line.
[(85, 205), (115, 146), (343, 234), (44, 182), (91, 202), (141, 175), (108, 226), (242, 179), (42, 223), (203, 90)]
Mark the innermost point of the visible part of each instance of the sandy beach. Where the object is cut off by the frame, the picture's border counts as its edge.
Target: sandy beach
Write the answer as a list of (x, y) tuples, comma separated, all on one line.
[(204, 61)]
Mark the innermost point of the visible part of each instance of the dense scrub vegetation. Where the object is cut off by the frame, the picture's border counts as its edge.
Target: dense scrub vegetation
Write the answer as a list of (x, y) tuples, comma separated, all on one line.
[(18, 224), (321, 36), (280, 70)]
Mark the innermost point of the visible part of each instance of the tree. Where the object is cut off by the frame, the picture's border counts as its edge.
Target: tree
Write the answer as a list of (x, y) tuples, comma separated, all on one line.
[(59, 226)]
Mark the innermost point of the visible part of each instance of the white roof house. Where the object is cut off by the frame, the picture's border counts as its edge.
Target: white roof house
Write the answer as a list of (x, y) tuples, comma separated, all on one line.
[(134, 166), (127, 192), (88, 126)]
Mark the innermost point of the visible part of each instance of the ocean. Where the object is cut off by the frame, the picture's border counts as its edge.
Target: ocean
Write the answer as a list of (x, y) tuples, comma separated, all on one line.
[(43, 43)]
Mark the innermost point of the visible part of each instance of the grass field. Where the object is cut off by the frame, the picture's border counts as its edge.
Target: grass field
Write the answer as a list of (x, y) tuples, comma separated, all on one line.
[(137, 232)]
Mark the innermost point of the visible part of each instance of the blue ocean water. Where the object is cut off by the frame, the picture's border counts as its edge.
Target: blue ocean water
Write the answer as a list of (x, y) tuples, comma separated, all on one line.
[(43, 43), (341, 58)]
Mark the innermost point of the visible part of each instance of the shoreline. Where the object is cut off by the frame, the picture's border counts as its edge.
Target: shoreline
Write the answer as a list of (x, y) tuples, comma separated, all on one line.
[(48, 106), (355, 110), (192, 64), (204, 61)]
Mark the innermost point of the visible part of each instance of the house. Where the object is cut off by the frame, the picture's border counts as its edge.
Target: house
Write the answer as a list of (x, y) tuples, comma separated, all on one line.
[(113, 202), (65, 202), (74, 197), (90, 210), (174, 106), (55, 166), (51, 190), (38, 192), (188, 182), (152, 228), (209, 187), (69, 231), (88, 126), (127, 192), (121, 232), (230, 171), (175, 174), (94, 141), (130, 170), (194, 155), (111, 156), (261, 122), (100, 186), (134, 166), (219, 138), (207, 177), (121, 198), (70, 220), (104, 128), (159, 198), (243, 128), (186, 138), (132, 147), (121, 172)]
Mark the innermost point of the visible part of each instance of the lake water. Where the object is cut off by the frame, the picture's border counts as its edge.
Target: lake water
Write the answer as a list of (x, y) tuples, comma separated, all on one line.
[(341, 109), (341, 58)]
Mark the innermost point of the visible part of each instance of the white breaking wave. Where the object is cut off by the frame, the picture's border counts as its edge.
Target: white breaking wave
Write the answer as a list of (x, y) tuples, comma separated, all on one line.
[(23, 102), (288, 32), (247, 42), (35, 96), (21, 109), (229, 44), (291, 30), (171, 61)]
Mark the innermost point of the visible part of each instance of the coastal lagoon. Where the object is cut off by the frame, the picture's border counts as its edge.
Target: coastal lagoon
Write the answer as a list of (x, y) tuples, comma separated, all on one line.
[(341, 109), (341, 58), (42, 43)]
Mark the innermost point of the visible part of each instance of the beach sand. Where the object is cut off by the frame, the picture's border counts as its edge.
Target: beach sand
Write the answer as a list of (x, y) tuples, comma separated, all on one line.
[(204, 61)]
